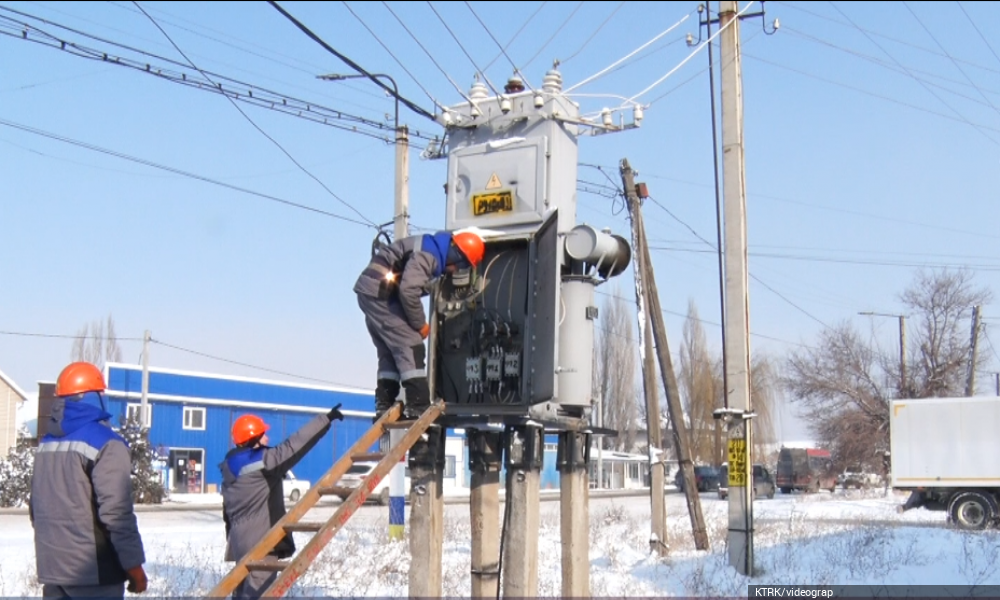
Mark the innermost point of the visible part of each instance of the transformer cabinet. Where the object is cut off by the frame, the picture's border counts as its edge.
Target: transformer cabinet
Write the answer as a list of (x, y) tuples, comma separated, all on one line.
[(514, 338)]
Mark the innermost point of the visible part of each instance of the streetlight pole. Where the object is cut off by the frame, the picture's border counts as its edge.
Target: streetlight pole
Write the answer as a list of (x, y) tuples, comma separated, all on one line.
[(401, 215), (902, 348), (401, 226)]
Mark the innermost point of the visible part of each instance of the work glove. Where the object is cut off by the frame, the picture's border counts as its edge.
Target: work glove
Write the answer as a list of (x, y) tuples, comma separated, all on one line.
[(425, 331), (335, 414), (137, 581)]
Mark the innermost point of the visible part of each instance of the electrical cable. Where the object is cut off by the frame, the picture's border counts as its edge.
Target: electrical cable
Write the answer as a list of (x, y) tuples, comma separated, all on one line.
[(241, 91), (608, 68), (951, 58), (503, 50), (255, 126), (552, 37), (563, 61), (405, 101), (464, 51), (915, 78), (691, 55), (976, 27), (386, 48), (175, 171), (516, 33), (429, 55), (242, 364)]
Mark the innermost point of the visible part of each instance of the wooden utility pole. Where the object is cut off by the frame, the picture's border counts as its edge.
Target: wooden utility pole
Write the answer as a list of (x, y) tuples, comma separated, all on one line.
[(970, 386), (658, 511), (655, 314), (737, 343)]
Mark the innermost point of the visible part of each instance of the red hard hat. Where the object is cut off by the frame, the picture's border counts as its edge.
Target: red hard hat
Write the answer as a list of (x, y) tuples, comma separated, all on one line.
[(248, 427), (79, 377), (471, 246)]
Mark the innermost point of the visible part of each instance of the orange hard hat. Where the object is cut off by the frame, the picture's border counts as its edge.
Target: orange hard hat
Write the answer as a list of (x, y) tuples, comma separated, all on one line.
[(79, 377), (248, 427), (471, 246)]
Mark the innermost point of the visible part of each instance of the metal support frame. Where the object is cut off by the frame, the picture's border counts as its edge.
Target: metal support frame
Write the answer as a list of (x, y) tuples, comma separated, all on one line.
[(572, 451)]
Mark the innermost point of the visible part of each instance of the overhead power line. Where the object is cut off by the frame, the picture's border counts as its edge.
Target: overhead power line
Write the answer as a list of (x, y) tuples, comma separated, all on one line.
[(183, 74), (552, 37), (402, 100), (243, 364), (958, 66), (176, 171), (390, 52), (516, 33), (915, 78), (462, 47), (586, 42), (981, 36), (255, 126), (503, 50)]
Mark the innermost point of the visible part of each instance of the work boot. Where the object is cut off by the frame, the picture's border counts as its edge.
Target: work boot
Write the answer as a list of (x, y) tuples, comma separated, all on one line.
[(386, 392), (418, 397)]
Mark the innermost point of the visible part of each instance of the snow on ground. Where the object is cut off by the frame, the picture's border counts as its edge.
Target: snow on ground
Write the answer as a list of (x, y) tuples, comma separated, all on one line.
[(851, 537)]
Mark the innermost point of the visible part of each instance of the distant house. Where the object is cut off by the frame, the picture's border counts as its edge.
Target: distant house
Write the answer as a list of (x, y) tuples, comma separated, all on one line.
[(12, 398)]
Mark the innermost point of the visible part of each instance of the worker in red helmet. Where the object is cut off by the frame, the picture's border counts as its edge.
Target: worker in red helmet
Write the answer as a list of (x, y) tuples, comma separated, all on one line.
[(87, 540), (252, 496), (389, 292)]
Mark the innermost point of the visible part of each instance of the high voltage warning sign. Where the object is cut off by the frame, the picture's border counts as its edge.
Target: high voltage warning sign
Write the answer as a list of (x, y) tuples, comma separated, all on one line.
[(737, 463)]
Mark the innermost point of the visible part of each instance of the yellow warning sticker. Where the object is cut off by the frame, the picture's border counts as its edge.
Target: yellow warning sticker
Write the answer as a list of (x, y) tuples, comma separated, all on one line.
[(494, 183)]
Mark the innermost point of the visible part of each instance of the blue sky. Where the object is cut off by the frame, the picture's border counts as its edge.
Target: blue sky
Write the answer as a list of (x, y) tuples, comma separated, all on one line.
[(872, 139)]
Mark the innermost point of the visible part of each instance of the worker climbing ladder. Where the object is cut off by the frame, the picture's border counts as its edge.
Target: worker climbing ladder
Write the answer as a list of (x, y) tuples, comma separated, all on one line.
[(290, 570)]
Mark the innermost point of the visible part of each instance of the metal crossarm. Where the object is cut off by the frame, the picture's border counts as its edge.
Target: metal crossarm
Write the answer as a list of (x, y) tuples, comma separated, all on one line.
[(290, 570)]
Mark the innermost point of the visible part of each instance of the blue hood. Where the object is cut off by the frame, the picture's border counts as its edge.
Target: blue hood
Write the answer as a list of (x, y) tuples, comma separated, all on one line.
[(69, 415), (437, 245)]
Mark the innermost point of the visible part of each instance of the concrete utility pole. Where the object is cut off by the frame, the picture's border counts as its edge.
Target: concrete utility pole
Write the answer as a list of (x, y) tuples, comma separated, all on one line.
[(144, 403), (401, 229), (485, 457), (970, 386), (658, 518), (737, 345)]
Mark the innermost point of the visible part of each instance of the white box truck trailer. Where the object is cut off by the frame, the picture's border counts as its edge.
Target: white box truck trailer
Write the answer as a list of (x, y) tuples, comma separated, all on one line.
[(946, 453)]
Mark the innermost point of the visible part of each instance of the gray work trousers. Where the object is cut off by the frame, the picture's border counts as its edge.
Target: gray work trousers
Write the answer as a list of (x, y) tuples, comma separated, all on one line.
[(400, 349), (254, 584), (114, 590)]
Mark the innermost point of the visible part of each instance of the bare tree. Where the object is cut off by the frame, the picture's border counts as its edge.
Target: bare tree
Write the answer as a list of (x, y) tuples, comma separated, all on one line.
[(97, 343), (844, 384), (615, 372), (702, 379), (765, 384), (701, 389), (942, 302)]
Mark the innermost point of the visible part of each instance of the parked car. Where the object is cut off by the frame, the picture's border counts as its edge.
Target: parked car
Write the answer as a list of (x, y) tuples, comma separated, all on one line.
[(706, 477), (857, 477), (293, 488), (356, 474), (763, 482)]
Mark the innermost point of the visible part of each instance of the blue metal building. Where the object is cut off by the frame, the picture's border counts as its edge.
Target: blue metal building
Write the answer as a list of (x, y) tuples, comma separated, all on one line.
[(191, 415)]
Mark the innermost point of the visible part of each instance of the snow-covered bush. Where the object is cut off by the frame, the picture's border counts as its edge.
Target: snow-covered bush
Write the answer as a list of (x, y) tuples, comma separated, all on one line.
[(15, 474)]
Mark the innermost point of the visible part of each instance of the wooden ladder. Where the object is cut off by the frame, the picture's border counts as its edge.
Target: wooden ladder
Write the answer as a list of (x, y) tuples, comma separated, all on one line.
[(290, 570)]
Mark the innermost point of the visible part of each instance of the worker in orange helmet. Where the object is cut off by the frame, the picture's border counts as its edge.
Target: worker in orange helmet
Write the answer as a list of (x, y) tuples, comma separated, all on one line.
[(389, 290), (252, 496), (87, 540)]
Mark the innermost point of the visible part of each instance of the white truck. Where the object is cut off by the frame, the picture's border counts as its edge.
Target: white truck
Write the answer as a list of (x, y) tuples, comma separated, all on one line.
[(945, 451)]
